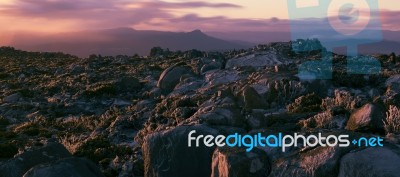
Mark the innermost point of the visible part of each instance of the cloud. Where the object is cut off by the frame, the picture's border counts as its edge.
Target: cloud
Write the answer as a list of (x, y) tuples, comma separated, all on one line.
[(101, 13), (145, 14), (179, 5), (74, 9)]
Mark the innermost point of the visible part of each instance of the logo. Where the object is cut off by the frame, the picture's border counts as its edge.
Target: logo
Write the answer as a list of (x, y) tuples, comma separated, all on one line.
[(280, 141), (335, 23)]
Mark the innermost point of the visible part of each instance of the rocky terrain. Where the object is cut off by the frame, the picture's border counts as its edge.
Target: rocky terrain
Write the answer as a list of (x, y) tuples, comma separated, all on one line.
[(128, 116)]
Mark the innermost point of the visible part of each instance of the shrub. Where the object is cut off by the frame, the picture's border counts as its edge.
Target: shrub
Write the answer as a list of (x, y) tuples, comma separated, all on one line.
[(324, 120), (321, 120), (343, 99), (392, 122), (100, 89), (304, 104), (100, 148), (283, 91)]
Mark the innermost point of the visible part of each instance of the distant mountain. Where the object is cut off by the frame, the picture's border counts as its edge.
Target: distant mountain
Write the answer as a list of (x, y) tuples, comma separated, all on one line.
[(384, 47), (255, 37), (128, 41), (121, 41), (390, 42)]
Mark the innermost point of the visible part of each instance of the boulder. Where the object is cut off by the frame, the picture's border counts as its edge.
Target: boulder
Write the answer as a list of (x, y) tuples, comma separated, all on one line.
[(223, 116), (393, 84), (210, 66), (371, 162), (73, 166), (187, 87), (252, 100), (235, 162), (171, 76), (216, 77), (13, 98), (167, 153), (368, 118), (320, 161), (393, 80), (255, 60), (21, 163)]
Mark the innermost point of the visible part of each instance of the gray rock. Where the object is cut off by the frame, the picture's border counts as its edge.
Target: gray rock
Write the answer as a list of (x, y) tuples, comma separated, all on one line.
[(185, 88), (217, 77), (395, 79), (368, 118), (371, 162), (17, 166), (254, 60), (320, 161), (13, 98), (210, 66), (167, 153), (68, 167), (236, 162), (252, 100), (171, 76)]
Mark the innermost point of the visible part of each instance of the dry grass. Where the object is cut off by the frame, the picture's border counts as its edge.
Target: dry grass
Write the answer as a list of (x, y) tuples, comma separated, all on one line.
[(392, 122)]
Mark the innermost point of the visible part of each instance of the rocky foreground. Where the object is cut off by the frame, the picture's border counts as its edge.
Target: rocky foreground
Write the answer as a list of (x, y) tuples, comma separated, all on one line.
[(130, 116)]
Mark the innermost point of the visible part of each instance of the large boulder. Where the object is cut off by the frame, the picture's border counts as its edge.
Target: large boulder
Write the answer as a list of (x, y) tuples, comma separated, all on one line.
[(171, 76), (21, 163), (368, 118), (68, 167), (167, 153), (252, 100), (228, 162), (371, 162)]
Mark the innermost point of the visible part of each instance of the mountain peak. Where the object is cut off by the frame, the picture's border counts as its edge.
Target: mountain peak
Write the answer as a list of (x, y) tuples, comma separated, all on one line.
[(196, 31)]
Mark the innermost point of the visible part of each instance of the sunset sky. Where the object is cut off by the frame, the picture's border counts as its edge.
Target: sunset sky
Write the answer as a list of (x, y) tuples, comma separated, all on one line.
[(171, 15)]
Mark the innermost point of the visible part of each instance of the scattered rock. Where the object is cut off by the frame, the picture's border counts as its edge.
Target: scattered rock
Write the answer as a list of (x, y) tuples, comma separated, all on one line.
[(17, 166), (68, 167)]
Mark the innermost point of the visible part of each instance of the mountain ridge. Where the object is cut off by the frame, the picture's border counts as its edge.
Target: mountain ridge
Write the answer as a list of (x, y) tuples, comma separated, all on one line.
[(123, 41)]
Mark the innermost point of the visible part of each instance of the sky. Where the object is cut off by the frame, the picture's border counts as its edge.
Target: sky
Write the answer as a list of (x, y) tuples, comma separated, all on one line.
[(164, 15)]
